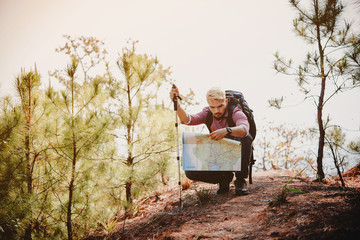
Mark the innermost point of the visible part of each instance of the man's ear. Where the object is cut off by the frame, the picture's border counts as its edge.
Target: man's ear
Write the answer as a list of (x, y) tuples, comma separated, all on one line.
[(226, 100)]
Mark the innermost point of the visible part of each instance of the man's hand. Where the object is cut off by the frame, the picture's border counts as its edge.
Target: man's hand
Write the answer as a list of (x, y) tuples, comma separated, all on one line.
[(218, 134), (184, 117), (174, 92)]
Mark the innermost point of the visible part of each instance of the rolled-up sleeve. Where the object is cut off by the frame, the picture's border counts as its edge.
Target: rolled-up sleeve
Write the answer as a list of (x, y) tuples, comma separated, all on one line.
[(198, 118), (240, 118)]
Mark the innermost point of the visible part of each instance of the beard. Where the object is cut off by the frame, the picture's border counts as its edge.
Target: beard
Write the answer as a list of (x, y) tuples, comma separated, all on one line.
[(219, 116)]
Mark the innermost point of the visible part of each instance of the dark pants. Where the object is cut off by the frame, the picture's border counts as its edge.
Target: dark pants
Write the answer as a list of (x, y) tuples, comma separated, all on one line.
[(226, 176)]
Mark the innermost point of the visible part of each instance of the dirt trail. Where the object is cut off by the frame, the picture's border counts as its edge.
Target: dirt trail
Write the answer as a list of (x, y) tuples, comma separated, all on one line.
[(320, 212)]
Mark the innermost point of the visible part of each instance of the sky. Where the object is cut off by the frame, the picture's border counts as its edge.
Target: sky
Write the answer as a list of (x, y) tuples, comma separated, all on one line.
[(228, 43)]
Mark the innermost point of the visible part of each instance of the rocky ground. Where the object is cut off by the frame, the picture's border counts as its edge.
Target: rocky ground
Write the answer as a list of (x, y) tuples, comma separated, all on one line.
[(321, 211)]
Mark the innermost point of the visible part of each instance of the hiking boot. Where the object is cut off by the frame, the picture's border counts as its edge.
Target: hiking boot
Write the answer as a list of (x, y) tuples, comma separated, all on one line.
[(241, 187), (223, 188)]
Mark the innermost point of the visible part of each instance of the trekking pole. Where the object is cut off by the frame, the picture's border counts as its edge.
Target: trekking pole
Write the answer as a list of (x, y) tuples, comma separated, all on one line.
[(175, 99)]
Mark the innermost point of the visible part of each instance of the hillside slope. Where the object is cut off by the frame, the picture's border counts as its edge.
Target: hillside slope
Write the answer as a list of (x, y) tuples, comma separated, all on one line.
[(322, 211)]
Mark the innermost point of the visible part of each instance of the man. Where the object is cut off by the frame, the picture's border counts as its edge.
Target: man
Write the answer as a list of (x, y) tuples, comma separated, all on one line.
[(218, 108)]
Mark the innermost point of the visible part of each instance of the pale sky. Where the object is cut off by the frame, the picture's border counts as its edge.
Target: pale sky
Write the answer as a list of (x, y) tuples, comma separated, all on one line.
[(205, 42)]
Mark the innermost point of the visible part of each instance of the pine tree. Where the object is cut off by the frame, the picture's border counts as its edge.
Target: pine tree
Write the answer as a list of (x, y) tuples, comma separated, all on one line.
[(133, 103), (79, 126), (327, 66), (27, 84), (14, 207)]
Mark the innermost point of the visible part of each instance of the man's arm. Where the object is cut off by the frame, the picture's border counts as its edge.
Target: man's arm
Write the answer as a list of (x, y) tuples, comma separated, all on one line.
[(184, 116), (238, 131)]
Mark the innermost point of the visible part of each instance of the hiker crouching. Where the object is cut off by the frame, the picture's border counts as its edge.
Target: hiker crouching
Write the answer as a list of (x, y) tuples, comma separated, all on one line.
[(223, 122)]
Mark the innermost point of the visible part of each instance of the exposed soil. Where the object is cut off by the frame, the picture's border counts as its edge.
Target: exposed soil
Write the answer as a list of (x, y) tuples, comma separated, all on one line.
[(322, 211)]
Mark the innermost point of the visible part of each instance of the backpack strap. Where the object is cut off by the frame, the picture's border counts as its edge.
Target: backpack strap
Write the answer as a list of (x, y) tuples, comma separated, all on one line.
[(229, 118), (209, 120)]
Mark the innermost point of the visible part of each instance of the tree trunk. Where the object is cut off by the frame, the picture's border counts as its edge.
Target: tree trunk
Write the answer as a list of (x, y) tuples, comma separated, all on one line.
[(73, 168), (71, 194), (28, 229), (320, 155), (339, 172), (29, 178), (69, 209), (264, 167), (130, 126), (128, 184), (336, 161), (319, 159), (128, 191), (163, 179)]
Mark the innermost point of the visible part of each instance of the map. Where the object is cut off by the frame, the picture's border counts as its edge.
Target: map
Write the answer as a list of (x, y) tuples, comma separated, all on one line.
[(200, 153)]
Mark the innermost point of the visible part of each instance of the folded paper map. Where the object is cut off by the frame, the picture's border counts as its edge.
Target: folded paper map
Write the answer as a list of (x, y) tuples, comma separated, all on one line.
[(200, 153)]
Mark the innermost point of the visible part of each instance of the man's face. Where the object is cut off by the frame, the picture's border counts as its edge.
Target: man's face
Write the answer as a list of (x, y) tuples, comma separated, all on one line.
[(218, 107)]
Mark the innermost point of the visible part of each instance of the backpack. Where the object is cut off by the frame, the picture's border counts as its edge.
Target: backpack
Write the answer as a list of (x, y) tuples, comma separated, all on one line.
[(235, 99)]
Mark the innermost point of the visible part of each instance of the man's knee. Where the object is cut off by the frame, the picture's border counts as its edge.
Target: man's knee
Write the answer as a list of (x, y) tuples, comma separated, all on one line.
[(242, 174), (192, 175), (209, 176)]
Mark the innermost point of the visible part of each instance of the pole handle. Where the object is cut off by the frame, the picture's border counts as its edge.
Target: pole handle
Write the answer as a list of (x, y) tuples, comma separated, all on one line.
[(176, 97), (175, 103)]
